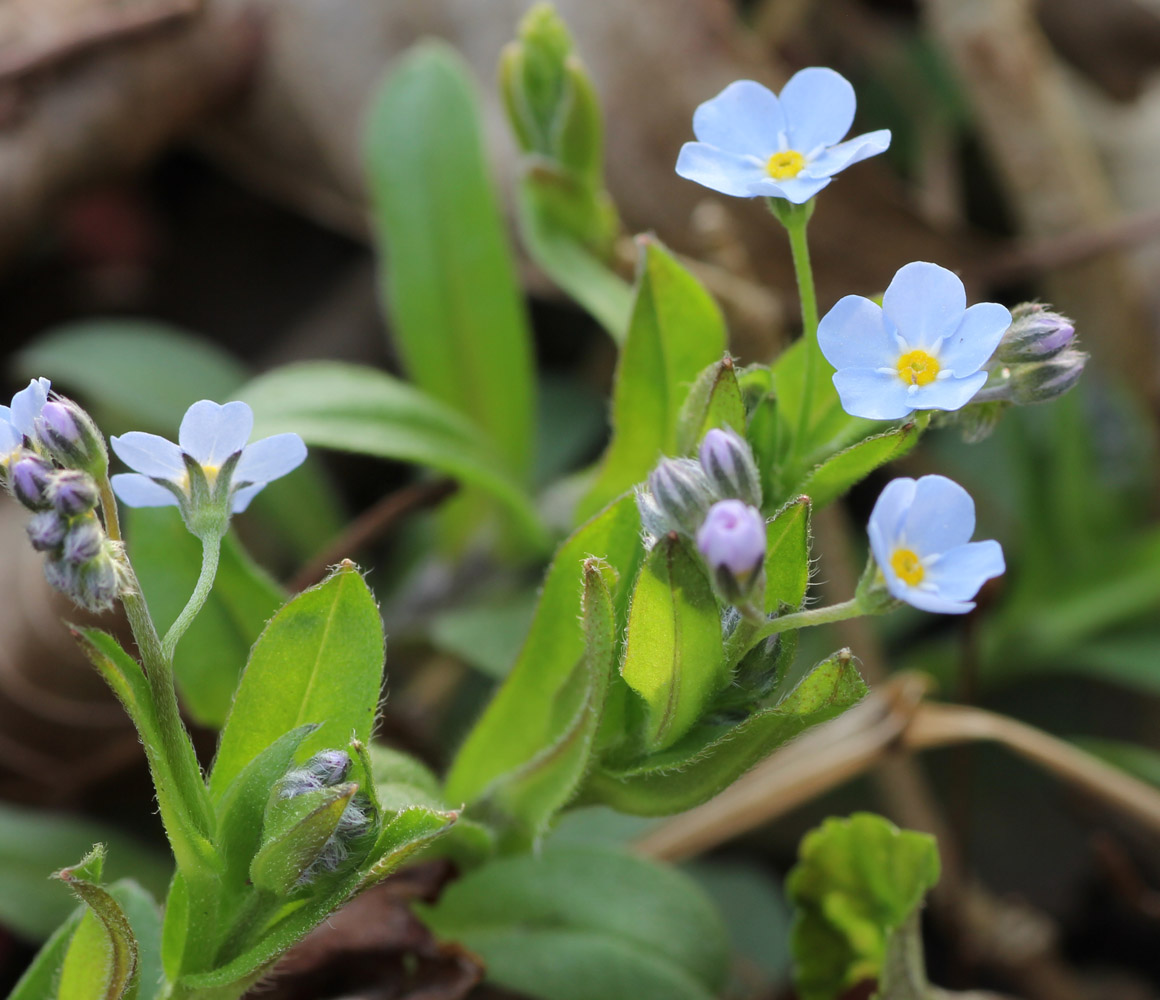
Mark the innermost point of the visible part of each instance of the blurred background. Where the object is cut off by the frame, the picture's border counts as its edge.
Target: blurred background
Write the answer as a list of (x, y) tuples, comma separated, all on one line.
[(195, 168)]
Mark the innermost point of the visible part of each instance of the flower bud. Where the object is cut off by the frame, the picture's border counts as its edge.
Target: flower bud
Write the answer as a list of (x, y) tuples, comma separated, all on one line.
[(72, 492), (329, 766), (728, 462), (682, 493), (29, 480), (46, 530), (1036, 333), (69, 435), (83, 541), (732, 541), (94, 585), (1038, 383)]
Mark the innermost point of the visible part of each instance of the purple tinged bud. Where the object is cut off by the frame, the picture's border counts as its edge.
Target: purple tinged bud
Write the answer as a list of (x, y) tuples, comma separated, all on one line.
[(69, 435), (682, 495), (29, 480), (298, 783), (330, 767), (1036, 334), (353, 823), (57, 424), (46, 530), (1038, 383), (733, 537), (83, 542), (72, 492), (93, 585), (728, 463)]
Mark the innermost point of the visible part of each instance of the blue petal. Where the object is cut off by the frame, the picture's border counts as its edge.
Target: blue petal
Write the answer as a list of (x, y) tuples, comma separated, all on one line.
[(837, 158), (798, 189), (959, 573), (941, 517), (948, 393), (140, 491), (211, 433), (889, 513), (27, 404), (729, 173), (970, 347), (10, 439), (819, 108), (875, 395), (744, 118), (270, 458), (149, 454), (931, 600), (243, 497), (854, 334), (926, 302)]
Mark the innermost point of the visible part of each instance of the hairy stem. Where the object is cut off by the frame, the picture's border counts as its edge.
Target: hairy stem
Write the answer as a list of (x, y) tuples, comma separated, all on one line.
[(210, 550)]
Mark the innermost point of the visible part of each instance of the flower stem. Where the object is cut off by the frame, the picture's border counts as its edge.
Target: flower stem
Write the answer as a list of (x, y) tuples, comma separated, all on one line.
[(747, 635), (210, 550)]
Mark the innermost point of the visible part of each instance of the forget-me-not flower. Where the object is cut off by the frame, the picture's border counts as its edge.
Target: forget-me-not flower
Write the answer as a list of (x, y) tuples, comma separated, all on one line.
[(922, 349), (18, 421), (213, 437), (920, 534), (752, 142)]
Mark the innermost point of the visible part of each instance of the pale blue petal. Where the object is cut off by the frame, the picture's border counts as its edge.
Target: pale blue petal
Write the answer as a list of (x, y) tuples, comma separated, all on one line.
[(837, 158), (744, 118), (854, 334), (10, 439), (959, 573), (971, 345), (140, 491), (926, 302), (211, 433), (948, 393), (941, 517), (819, 108), (270, 458), (149, 454), (730, 173), (243, 497), (5, 415), (889, 512), (872, 394), (798, 189), (930, 600), (27, 404)]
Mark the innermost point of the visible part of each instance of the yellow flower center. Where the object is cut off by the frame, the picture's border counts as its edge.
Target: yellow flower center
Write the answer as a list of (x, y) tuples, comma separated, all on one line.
[(784, 165), (211, 473), (917, 368), (908, 566)]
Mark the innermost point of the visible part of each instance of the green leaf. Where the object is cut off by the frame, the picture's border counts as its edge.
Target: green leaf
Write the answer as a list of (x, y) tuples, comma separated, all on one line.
[(583, 923), (517, 722), (209, 660), (713, 401), (320, 660), (294, 833), (41, 978), (102, 959), (33, 844), (676, 331), (839, 472), (357, 409), (856, 882), (787, 556), (486, 636), (447, 278), (712, 757), (534, 792), (674, 658)]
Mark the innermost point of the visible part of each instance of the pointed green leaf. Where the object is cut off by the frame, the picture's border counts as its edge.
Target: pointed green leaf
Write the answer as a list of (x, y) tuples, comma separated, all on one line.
[(787, 556), (711, 758), (448, 279), (517, 724), (856, 882), (713, 401), (584, 923), (41, 979), (674, 658), (295, 832), (357, 409), (533, 793), (841, 471), (676, 332), (320, 660)]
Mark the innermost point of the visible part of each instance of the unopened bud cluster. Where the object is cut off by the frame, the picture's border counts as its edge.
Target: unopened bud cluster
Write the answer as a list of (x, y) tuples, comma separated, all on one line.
[(714, 501), (1036, 361), (55, 451)]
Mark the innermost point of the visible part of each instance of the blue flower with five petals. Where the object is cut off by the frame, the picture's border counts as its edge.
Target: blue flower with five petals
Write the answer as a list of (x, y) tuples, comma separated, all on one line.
[(922, 349), (752, 142), (920, 533), (18, 421), (213, 438)]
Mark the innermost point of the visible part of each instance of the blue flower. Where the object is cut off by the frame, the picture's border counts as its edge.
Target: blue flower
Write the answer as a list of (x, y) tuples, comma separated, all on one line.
[(753, 142), (210, 436), (922, 349), (920, 534), (19, 420)]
